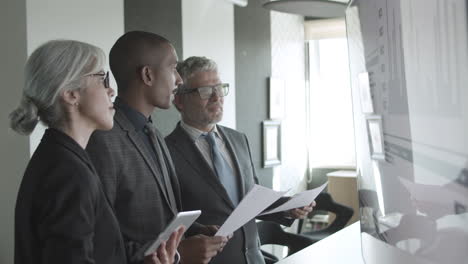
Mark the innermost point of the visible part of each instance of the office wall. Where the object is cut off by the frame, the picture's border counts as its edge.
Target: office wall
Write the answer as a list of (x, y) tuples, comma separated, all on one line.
[(253, 67), (27, 24), (288, 64), (97, 22), (161, 17), (14, 149), (208, 30)]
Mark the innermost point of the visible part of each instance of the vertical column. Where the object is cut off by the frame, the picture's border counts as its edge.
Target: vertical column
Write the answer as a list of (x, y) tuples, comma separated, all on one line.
[(253, 66), (14, 149)]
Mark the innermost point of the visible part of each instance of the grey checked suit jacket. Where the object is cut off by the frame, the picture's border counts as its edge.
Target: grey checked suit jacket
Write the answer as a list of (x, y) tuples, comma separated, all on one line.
[(201, 189), (133, 183)]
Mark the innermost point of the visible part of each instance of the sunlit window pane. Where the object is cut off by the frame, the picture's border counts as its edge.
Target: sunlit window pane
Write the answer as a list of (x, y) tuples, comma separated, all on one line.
[(331, 120)]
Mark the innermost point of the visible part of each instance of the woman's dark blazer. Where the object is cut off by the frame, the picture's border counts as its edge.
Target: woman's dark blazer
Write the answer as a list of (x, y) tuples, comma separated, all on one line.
[(62, 215)]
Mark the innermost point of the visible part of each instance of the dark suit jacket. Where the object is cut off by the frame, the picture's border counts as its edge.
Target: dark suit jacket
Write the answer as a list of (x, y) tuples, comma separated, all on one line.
[(133, 183), (201, 189), (62, 214)]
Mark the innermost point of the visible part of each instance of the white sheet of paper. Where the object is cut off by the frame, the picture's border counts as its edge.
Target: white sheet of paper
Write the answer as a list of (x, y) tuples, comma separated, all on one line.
[(298, 200), (256, 200)]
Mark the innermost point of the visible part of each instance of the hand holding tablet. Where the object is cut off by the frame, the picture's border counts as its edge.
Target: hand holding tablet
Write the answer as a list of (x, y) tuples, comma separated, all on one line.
[(181, 219), (167, 251)]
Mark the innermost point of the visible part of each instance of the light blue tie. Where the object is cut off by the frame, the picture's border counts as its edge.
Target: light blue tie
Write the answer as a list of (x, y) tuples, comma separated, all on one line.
[(223, 170)]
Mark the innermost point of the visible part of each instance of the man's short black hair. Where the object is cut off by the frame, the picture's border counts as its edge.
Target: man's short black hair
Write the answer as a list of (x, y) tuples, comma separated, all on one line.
[(131, 51)]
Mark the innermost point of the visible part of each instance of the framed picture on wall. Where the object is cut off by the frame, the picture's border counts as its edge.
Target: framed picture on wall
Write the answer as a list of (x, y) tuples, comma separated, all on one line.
[(375, 132), (276, 98), (271, 143)]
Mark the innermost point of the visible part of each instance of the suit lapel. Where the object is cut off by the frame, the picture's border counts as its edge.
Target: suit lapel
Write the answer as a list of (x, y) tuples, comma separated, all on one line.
[(194, 157), (172, 173), (165, 168), (122, 120)]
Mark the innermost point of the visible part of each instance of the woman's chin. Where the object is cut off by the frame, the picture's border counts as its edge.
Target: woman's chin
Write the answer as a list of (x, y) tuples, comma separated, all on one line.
[(106, 126)]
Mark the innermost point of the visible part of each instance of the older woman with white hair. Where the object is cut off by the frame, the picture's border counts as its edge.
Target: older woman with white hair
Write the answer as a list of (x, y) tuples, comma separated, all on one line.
[(62, 214)]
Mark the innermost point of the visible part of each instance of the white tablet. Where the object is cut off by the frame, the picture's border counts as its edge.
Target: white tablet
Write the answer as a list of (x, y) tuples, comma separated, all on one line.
[(182, 218)]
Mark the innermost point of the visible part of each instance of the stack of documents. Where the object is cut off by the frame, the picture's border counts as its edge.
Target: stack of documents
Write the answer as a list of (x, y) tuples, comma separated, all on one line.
[(258, 199)]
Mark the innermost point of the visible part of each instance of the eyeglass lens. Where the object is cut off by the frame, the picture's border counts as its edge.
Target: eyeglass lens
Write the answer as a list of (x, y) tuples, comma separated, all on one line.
[(106, 80), (207, 92)]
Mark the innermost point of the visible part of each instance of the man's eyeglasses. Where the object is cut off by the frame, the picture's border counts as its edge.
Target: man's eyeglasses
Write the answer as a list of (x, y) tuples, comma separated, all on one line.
[(207, 91), (103, 75)]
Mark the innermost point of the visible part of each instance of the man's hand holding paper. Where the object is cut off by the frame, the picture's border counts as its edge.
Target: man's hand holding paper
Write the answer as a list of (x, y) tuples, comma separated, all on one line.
[(301, 212), (256, 200)]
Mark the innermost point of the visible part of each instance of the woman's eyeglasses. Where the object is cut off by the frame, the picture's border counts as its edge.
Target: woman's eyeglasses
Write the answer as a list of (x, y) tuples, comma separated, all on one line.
[(103, 75)]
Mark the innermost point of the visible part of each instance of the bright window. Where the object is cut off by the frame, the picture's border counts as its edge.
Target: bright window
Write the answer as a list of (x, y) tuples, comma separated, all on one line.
[(331, 140)]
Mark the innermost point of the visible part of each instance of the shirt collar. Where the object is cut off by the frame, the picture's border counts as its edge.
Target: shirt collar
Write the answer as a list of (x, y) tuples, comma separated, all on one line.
[(195, 133), (136, 118)]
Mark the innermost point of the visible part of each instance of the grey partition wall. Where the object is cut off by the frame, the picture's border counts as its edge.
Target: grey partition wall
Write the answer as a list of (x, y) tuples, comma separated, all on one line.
[(14, 149), (253, 67)]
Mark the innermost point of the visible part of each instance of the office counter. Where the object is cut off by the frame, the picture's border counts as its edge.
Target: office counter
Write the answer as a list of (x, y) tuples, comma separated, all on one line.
[(342, 247)]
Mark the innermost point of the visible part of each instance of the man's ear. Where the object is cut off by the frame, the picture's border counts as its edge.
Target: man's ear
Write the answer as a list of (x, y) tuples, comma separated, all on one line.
[(71, 97), (146, 75)]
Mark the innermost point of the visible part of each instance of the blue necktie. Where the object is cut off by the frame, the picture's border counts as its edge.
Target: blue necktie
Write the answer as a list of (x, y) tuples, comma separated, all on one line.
[(223, 170)]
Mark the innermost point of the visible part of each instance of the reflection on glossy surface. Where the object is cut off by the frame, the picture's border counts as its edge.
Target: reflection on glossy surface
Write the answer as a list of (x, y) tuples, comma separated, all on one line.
[(414, 203), (436, 230)]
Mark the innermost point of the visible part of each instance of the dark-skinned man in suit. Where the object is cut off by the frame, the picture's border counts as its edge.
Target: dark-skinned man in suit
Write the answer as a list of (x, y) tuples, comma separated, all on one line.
[(132, 159)]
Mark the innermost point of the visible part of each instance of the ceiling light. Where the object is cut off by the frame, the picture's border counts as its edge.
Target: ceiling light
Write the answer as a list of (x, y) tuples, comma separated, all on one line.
[(309, 8)]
